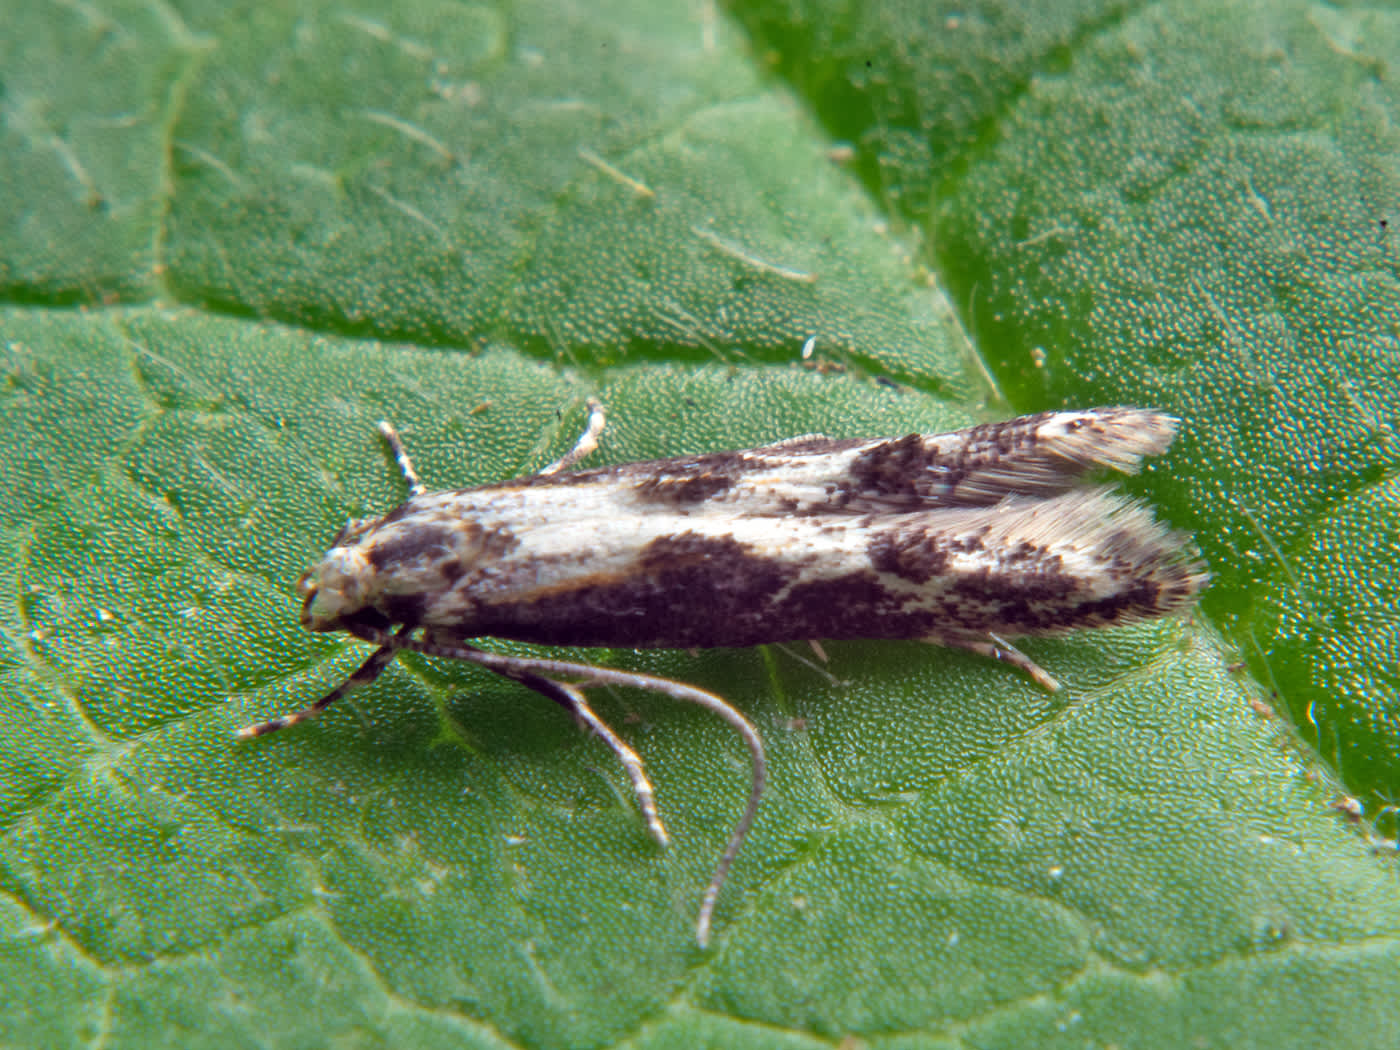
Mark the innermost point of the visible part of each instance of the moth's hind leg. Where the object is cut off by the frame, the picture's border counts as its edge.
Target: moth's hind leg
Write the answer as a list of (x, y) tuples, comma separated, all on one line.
[(587, 442), (999, 649)]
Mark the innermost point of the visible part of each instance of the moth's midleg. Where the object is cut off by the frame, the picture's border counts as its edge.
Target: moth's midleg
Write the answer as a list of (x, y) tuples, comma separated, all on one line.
[(518, 666), (572, 698)]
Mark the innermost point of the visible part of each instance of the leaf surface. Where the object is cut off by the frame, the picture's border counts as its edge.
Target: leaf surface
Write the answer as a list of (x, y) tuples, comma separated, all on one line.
[(286, 223)]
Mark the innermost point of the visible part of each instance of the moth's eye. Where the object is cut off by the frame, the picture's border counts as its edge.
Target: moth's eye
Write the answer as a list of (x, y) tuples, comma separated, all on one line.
[(306, 584)]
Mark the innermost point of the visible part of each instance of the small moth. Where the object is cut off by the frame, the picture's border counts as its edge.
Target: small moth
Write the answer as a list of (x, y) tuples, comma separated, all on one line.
[(956, 539)]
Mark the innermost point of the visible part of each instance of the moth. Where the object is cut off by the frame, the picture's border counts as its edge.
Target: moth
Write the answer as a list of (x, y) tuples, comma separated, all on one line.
[(957, 539)]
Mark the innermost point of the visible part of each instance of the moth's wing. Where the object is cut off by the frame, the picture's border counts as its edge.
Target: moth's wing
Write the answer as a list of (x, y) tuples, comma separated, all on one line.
[(1034, 457), (1088, 558)]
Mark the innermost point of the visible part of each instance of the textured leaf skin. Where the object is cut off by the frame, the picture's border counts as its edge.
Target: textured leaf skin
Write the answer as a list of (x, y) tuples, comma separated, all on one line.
[(284, 223)]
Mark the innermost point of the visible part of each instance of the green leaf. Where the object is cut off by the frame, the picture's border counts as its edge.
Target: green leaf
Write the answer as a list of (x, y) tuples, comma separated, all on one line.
[(1192, 206), (290, 222)]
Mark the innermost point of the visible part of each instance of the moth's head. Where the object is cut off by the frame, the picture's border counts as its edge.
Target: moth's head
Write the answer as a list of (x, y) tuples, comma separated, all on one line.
[(414, 566), (338, 590)]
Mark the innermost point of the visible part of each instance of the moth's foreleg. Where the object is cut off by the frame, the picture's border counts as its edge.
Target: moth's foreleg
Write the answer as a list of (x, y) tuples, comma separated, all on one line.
[(390, 435), (1001, 650), (572, 698), (366, 673), (587, 442)]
